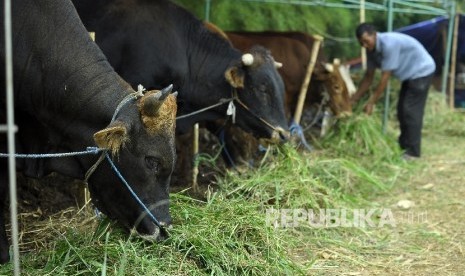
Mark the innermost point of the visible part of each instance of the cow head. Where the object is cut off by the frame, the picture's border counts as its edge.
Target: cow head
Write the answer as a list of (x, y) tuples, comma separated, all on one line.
[(336, 88), (141, 142), (260, 89)]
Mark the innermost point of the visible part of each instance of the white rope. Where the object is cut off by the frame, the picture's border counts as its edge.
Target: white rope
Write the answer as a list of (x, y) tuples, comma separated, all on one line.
[(221, 102)]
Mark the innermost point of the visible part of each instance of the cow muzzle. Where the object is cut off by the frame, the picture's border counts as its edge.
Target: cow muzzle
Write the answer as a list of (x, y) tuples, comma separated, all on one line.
[(344, 114), (158, 234), (279, 135), (153, 227)]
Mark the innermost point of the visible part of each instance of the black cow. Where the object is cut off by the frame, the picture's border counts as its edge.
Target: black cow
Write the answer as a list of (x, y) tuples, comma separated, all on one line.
[(157, 42), (65, 96)]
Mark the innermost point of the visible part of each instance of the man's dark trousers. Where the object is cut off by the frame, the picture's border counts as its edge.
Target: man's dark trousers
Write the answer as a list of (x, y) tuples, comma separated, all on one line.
[(410, 111)]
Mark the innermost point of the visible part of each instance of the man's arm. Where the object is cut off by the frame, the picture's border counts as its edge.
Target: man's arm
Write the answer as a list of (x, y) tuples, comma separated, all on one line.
[(364, 85), (385, 75)]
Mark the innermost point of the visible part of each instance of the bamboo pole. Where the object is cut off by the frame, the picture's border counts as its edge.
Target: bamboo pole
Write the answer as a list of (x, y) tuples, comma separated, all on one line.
[(453, 63), (195, 152), (86, 193), (303, 90), (362, 49)]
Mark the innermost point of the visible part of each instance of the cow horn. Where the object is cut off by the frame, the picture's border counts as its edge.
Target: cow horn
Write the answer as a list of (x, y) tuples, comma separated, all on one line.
[(278, 64), (247, 59), (153, 102), (329, 67), (165, 92)]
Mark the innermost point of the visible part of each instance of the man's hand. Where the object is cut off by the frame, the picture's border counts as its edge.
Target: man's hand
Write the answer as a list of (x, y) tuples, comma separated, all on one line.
[(370, 105), (363, 87)]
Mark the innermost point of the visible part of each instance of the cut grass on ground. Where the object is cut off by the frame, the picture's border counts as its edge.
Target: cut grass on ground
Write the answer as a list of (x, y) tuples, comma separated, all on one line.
[(230, 231)]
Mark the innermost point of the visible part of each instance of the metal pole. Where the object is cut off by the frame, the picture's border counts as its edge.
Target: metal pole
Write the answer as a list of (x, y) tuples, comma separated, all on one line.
[(388, 88), (448, 50), (11, 136), (453, 63), (207, 10)]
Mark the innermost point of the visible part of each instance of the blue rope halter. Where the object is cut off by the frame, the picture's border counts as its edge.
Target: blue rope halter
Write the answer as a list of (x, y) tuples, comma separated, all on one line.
[(296, 130)]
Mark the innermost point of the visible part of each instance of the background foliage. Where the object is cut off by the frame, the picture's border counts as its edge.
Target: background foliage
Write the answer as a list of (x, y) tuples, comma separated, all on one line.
[(337, 25)]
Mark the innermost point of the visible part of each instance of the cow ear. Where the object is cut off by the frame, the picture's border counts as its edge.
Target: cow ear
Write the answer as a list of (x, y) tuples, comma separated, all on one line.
[(320, 76), (235, 76), (112, 137), (321, 72)]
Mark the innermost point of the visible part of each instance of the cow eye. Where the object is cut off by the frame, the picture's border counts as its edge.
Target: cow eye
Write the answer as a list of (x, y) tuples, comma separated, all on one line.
[(152, 163)]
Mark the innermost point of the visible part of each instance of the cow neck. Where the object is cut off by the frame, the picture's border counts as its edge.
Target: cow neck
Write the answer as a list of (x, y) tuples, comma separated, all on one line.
[(69, 88), (208, 61)]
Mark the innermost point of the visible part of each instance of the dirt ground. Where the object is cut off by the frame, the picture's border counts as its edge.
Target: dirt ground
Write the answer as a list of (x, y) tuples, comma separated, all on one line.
[(429, 237)]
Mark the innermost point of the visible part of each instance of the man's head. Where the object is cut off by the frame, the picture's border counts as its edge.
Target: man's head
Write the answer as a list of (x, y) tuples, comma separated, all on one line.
[(366, 35)]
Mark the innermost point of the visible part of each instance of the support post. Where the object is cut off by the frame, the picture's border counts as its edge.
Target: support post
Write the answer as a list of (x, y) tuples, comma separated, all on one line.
[(195, 153), (362, 20), (11, 134), (453, 63), (207, 10), (86, 193), (303, 90), (448, 50), (388, 87)]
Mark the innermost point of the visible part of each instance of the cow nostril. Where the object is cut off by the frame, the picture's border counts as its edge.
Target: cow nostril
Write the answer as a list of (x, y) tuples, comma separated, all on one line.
[(163, 233), (166, 225), (284, 135)]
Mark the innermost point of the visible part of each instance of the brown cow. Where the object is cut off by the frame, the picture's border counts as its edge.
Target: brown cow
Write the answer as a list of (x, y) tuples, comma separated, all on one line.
[(293, 49)]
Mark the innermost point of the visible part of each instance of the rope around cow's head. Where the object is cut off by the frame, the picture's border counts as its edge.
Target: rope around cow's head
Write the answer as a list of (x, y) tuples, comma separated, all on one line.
[(95, 150), (231, 111), (131, 97)]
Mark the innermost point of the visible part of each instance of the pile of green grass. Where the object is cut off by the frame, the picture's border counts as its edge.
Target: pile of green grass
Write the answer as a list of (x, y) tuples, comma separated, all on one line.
[(353, 163), (218, 236), (362, 136), (294, 180), (227, 233)]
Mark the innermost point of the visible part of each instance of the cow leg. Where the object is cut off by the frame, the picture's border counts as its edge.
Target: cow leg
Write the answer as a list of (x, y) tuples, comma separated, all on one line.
[(223, 131), (182, 175), (238, 146), (4, 246), (241, 146)]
